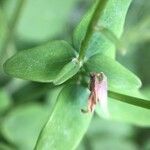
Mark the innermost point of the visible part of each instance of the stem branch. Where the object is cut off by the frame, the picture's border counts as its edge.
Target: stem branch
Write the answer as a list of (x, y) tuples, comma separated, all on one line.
[(93, 22)]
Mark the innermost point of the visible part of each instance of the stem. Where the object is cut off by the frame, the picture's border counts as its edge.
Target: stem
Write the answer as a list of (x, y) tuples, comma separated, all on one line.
[(130, 99), (94, 21), (12, 25)]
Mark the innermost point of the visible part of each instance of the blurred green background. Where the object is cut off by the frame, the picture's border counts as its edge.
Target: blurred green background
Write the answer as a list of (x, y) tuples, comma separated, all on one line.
[(25, 106)]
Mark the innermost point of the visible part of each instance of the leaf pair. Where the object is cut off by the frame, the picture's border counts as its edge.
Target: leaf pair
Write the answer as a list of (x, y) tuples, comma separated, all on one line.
[(55, 62)]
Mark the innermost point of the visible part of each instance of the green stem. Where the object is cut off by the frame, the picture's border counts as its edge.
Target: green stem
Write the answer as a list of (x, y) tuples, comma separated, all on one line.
[(130, 99), (12, 25), (94, 21)]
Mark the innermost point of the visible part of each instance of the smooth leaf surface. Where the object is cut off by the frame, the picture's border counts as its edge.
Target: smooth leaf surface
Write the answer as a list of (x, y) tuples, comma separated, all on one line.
[(52, 96), (128, 113), (23, 125), (67, 124), (36, 26), (118, 76), (113, 18), (67, 72), (105, 128), (4, 100), (102, 135), (125, 112), (113, 143), (3, 30), (146, 91), (40, 63), (5, 147), (31, 91)]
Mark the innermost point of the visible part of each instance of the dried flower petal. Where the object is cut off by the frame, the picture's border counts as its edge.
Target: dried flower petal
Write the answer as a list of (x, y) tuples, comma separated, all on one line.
[(102, 94), (98, 88)]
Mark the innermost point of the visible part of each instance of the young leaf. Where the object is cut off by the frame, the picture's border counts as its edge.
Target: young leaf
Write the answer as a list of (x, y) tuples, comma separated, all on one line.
[(41, 63), (113, 18), (67, 124), (67, 72), (118, 76)]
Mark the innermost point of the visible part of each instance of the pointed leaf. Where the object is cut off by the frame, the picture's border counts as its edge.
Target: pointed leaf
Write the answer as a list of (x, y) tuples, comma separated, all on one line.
[(67, 72), (118, 76), (67, 124), (41, 63)]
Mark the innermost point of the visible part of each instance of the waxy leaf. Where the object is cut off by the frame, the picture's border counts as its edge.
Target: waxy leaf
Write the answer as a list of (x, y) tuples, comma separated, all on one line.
[(118, 76), (41, 63), (113, 18), (67, 72), (67, 124)]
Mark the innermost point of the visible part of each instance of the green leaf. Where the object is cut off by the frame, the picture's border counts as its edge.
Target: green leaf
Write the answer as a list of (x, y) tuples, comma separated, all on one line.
[(67, 72), (125, 112), (3, 31), (102, 136), (41, 63), (4, 100), (36, 26), (106, 128), (118, 76), (129, 113), (113, 18), (31, 91), (109, 142), (23, 125), (5, 147), (146, 91), (67, 124)]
